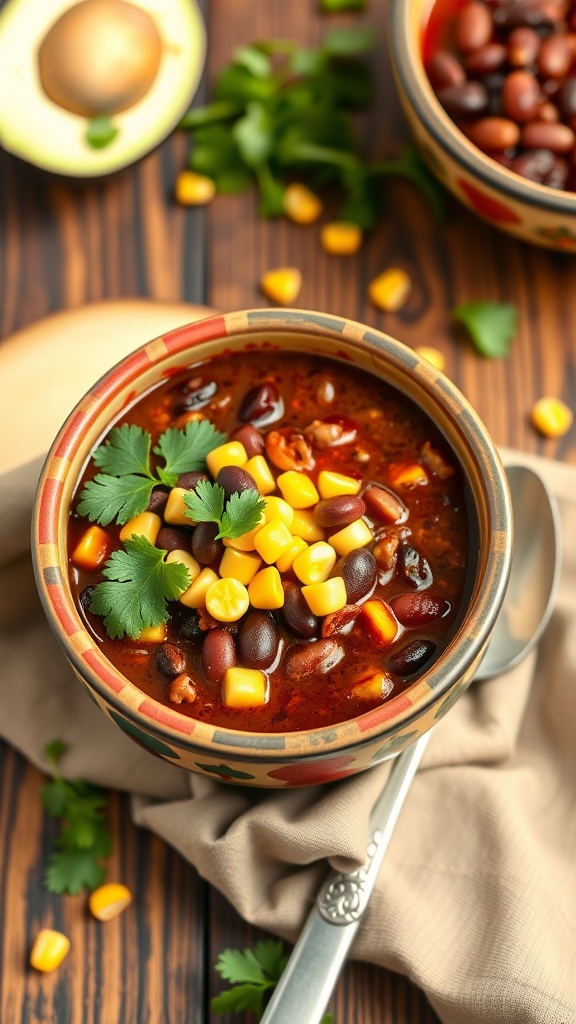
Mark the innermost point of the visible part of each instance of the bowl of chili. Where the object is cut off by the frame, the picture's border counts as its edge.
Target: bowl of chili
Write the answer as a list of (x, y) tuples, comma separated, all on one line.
[(273, 545)]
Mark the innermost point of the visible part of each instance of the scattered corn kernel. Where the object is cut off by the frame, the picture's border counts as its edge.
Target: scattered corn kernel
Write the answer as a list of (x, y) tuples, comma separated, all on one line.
[(109, 900), (187, 559), (194, 189), (301, 204), (49, 949), (243, 688), (265, 590), (147, 525), (379, 621), (551, 417), (153, 634), (332, 485), (390, 289), (376, 687), (92, 549), (176, 511), (282, 285), (316, 563), (277, 508), (245, 542), (260, 471), (328, 596), (431, 355), (286, 561), (304, 525), (195, 595), (412, 475), (356, 535), (233, 453), (272, 540), (239, 565), (297, 489), (341, 238), (227, 600)]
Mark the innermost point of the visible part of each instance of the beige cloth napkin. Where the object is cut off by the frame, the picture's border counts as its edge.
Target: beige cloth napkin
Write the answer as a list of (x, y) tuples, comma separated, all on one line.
[(476, 900)]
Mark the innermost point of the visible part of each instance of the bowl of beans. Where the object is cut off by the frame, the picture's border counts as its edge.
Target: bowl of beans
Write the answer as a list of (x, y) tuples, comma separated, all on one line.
[(273, 545), (489, 89)]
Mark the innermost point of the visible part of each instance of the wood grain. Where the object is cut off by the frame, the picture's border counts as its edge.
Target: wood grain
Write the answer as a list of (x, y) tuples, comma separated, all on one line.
[(63, 244)]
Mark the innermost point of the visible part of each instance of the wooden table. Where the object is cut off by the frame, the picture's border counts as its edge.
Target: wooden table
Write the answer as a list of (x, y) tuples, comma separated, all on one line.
[(63, 244)]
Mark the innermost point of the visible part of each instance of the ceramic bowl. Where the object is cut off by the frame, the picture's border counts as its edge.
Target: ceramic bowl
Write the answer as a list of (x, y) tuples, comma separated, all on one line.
[(531, 212), (297, 758)]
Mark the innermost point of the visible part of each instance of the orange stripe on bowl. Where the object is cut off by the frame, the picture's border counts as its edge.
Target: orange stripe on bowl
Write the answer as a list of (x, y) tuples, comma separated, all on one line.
[(164, 716), (49, 498), (117, 378), (193, 334), (384, 712), (59, 601), (93, 659)]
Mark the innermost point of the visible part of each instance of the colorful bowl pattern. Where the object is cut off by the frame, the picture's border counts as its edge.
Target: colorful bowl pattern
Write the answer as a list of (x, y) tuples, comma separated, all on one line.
[(530, 212), (290, 759)]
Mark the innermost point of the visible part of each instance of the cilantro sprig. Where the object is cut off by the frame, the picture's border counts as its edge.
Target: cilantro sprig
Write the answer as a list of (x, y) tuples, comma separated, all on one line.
[(239, 514), (280, 110), (254, 975), (122, 490), (84, 840), (491, 325)]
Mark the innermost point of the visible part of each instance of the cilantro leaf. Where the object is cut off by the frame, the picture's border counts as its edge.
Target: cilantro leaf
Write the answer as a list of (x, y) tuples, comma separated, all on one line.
[(205, 502), (138, 584), (125, 451), (491, 325), (241, 997), (53, 751), (348, 42), (240, 965), (240, 514), (114, 497), (73, 870), (54, 798), (185, 450), (271, 956)]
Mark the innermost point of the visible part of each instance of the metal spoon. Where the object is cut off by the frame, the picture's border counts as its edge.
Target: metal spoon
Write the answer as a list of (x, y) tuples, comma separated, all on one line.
[(319, 954)]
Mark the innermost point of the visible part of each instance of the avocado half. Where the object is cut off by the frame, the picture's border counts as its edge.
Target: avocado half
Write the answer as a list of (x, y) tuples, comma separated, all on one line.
[(38, 129)]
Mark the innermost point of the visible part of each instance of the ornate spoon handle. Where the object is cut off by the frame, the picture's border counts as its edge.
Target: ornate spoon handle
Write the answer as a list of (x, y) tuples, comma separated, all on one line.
[(317, 958)]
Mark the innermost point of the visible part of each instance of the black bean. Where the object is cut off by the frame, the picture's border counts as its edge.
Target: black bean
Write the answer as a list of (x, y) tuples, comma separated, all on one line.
[(170, 660), (197, 392), (296, 613), (359, 571), (234, 480), (190, 480), (411, 658), (262, 405), (158, 499), (86, 597), (258, 641), (174, 538), (218, 654), (204, 545), (414, 567), (189, 625)]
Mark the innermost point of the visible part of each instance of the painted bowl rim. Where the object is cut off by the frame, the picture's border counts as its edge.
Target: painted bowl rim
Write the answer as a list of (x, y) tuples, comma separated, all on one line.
[(381, 723)]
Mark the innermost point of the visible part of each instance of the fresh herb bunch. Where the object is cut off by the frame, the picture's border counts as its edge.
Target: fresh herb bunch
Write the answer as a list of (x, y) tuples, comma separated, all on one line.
[(239, 514), (84, 840), (492, 326), (254, 975), (282, 110)]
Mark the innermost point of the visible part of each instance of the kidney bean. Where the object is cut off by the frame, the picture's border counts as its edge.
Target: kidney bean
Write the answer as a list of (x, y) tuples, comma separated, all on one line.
[(523, 47), (465, 99), (418, 609), (384, 504), (258, 641), (494, 133), (411, 658), (539, 135), (521, 96), (189, 625), (487, 59), (190, 480), (414, 567), (473, 27), (313, 658), (534, 164), (531, 13), (235, 480), (205, 548), (218, 654), (548, 112), (567, 97), (263, 404), (359, 571), (158, 499), (385, 551), (197, 392), (174, 538), (336, 622), (444, 69), (558, 176), (170, 660), (296, 613), (339, 511), (250, 438), (555, 57)]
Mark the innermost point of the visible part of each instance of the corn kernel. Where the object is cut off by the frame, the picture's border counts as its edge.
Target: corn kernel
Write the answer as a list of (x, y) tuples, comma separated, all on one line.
[(328, 596), (245, 542), (304, 525), (356, 535), (233, 453), (297, 489), (316, 563), (341, 238), (277, 508), (272, 540), (194, 189), (243, 688), (432, 355), (411, 475), (239, 565), (265, 590), (187, 559), (92, 549), (260, 472), (282, 285), (195, 595), (390, 289), (147, 525), (109, 900), (227, 600), (176, 511), (286, 561), (301, 205), (153, 634), (376, 687), (49, 949), (379, 622), (332, 485), (551, 417)]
